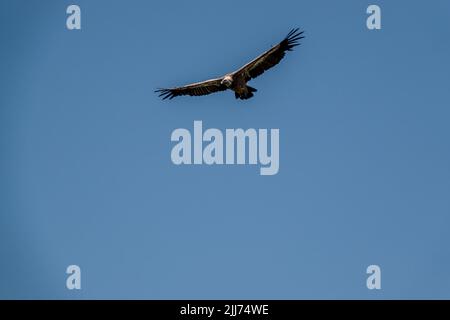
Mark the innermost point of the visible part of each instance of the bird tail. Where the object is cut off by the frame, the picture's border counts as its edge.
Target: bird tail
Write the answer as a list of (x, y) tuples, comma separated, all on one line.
[(247, 94)]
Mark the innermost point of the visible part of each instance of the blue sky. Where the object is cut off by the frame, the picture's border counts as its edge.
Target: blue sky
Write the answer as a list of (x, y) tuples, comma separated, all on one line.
[(86, 175)]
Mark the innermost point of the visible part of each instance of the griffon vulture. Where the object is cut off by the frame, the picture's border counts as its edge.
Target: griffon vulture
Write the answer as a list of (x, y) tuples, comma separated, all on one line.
[(237, 80)]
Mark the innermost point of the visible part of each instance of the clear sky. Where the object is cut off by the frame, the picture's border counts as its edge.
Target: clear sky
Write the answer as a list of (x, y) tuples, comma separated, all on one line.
[(86, 176)]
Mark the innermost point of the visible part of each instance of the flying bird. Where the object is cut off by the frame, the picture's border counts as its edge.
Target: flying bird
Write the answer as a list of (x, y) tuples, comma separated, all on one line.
[(237, 80)]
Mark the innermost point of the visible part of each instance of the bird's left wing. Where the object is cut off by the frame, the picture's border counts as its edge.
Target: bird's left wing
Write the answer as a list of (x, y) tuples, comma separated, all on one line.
[(272, 56), (194, 89)]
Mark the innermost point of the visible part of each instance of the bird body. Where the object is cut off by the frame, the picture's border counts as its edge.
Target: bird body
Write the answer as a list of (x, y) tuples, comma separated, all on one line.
[(237, 80), (240, 87)]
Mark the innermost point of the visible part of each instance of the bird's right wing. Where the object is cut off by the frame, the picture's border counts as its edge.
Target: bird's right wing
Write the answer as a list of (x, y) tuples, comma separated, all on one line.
[(194, 89), (271, 57)]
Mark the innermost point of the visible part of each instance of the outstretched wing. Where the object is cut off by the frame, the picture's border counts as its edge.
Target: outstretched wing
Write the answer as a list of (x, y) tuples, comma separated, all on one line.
[(271, 57), (194, 89)]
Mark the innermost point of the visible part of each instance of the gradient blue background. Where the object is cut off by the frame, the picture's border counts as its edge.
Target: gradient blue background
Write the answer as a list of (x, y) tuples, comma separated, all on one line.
[(86, 175)]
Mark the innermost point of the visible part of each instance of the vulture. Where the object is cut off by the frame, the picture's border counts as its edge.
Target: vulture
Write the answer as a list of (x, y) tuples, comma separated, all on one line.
[(237, 80)]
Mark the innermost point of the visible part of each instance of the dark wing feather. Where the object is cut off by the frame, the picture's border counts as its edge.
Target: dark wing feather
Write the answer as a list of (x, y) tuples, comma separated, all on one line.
[(194, 89), (271, 57)]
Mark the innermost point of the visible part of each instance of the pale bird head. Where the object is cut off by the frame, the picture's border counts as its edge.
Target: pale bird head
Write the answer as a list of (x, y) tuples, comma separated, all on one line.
[(227, 80)]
